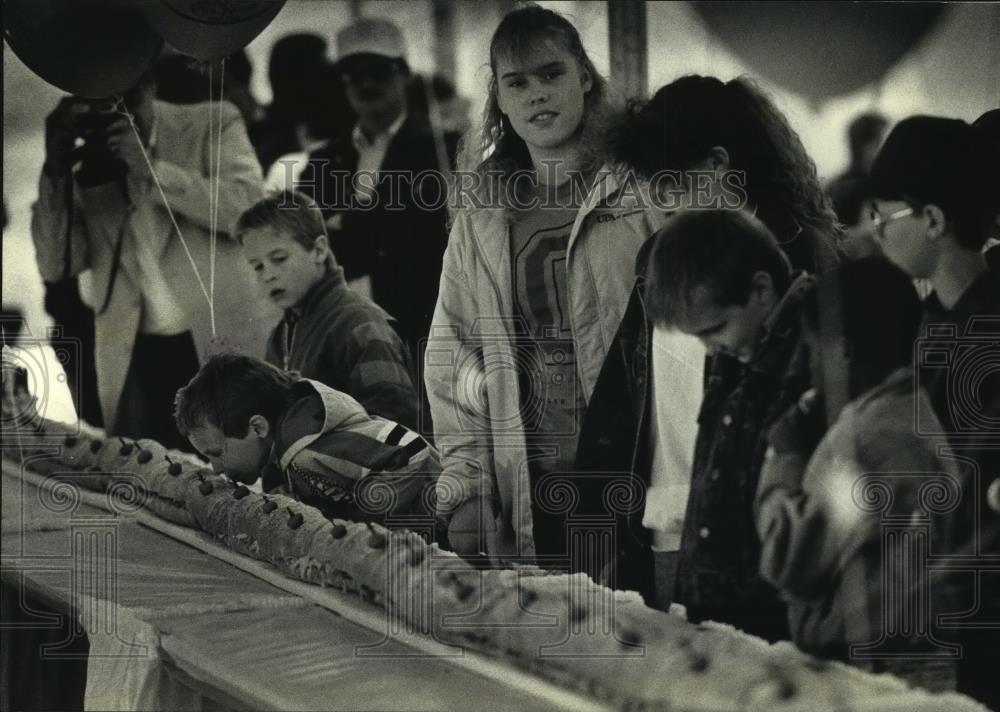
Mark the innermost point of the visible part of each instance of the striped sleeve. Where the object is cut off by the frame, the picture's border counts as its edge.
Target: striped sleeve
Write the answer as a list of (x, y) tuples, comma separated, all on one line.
[(379, 373), (373, 445), (377, 449)]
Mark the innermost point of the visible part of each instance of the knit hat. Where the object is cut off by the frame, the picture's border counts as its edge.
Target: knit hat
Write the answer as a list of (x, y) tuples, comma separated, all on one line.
[(933, 160)]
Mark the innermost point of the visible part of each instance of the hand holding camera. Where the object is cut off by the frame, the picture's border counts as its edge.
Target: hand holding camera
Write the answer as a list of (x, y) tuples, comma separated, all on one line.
[(122, 145), (89, 132), (60, 136)]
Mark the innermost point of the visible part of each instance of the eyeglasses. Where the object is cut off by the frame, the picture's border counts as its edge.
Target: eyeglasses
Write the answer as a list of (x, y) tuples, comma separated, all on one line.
[(879, 222)]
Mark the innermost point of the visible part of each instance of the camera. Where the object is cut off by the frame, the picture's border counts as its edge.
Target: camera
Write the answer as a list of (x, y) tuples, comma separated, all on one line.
[(92, 117), (969, 364), (544, 368), (32, 372), (90, 120)]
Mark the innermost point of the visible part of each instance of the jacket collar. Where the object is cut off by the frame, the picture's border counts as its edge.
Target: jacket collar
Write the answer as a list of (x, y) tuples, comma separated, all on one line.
[(782, 325), (327, 284), (302, 424), (981, 297), (361, 141), (489, 224)]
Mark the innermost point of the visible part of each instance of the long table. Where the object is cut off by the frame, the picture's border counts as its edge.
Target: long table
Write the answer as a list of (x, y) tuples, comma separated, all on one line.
[(170, 626)]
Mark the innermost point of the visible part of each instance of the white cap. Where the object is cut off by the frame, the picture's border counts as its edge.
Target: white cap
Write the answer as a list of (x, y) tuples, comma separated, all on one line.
[(371, 35)]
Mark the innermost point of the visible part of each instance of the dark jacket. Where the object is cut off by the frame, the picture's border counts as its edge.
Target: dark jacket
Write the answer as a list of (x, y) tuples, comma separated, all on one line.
[(612, 441), (400, 241), (717, 574), (345, 341), (956, 362), (614, 436), (971, 324)]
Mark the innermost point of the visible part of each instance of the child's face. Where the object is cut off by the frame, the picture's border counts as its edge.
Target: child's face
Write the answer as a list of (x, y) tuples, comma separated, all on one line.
[(902, 235), (241, 459), (730, 329), (543, 95), (285, 269)]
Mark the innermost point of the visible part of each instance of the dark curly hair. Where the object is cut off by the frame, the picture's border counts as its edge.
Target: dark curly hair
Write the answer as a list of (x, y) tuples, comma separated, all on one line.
[(684, 120)]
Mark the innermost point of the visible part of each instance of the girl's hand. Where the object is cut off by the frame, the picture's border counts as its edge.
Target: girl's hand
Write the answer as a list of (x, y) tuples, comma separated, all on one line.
[(471, 525)]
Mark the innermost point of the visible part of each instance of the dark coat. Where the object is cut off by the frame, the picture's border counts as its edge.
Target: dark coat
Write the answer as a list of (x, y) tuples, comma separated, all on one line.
[(344, 340), (400, 241), (717, 574), (957, 347), (716, 578), (612, 440)]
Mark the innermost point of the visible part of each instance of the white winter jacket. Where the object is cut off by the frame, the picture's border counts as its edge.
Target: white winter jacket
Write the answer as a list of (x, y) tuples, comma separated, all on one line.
[(470, 365)]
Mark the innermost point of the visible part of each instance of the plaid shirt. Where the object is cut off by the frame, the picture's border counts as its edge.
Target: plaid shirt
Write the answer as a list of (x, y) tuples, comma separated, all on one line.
[(344, 340)]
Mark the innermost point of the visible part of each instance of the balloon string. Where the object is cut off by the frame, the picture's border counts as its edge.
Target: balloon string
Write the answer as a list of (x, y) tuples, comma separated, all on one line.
[(211, 183), (123, 110), (218, 178)]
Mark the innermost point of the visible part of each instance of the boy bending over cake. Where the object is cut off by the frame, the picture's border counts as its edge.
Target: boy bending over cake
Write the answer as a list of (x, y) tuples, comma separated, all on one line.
[(253, 421), (721, 276)]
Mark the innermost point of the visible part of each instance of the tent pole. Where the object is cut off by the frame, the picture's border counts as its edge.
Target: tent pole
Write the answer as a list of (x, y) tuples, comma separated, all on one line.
[(444, 38), (627, 42)]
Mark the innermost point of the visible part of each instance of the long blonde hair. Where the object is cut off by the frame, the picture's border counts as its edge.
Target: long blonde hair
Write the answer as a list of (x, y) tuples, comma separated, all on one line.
[(497, 151)]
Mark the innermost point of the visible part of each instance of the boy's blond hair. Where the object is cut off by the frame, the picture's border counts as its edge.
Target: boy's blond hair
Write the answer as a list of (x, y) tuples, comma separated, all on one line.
[(291, 213)]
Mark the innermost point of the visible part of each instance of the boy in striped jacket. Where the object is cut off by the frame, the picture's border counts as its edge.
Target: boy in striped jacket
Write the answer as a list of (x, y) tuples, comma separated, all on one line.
[(252, 420)]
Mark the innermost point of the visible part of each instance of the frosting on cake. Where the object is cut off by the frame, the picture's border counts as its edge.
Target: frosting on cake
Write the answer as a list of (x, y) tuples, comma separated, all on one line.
[(563, 627)]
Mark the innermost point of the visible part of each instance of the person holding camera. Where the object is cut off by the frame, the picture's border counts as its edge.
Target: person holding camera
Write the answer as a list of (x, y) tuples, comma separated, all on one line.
[(112, 259)]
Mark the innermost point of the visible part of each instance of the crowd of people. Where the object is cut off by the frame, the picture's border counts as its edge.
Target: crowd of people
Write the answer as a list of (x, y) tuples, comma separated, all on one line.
[(641, 342)]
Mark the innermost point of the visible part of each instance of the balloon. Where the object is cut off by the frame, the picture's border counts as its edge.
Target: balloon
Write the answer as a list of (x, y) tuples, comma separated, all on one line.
[(91, 48), (820, 49), (210, 30)]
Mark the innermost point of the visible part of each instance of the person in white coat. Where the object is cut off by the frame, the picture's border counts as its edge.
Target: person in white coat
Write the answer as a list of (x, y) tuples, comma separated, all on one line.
[(101, 217), (536, 277)]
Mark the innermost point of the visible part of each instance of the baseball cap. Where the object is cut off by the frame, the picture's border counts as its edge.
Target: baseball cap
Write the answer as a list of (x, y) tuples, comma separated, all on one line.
[(371, 35)]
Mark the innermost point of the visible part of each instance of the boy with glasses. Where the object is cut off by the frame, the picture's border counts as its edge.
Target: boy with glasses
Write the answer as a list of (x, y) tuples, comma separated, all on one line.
[(936, 198)]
